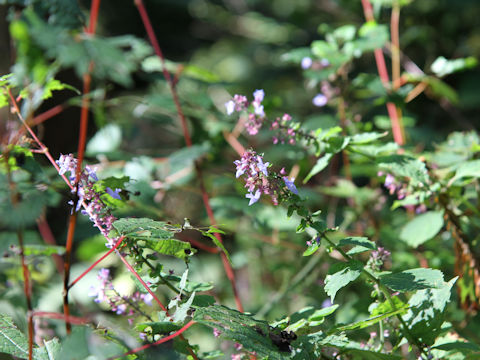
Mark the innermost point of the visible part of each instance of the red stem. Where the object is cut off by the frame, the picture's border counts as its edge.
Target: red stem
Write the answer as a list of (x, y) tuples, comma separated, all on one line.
[(93, 16), (48, 237), (96, 262), (383, 73), (47, 114), (132, 270), (53, 315), (153, 40), (158, 342)]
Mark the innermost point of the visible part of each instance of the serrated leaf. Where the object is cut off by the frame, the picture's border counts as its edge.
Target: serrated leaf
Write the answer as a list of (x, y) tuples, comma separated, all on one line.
[(426, 314), (143, 229), (414, 279), (203, 301), (422, 228), (360, 244), (12, 340), (343, 274), (253, 334), (319, 166), (404, 166)]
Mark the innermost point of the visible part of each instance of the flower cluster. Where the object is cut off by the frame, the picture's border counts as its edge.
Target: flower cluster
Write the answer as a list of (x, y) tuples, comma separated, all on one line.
[(287, 130), (321, 99), (257, 114), (400, 189), (378, 258), (120, 304), (95, 208), (258, 181)]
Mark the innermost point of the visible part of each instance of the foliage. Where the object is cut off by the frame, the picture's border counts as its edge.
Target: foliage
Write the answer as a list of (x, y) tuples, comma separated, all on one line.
[(335, 217)]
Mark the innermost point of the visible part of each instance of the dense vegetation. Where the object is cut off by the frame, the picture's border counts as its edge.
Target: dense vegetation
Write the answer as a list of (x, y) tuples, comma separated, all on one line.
[(239, 179)]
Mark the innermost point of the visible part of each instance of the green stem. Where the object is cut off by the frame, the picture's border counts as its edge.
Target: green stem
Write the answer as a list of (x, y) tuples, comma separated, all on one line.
[(149, 264), (385, 292)]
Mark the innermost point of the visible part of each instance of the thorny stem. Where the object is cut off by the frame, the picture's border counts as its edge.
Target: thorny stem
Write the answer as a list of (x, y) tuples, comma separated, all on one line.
[(385, 292), (188, 141)]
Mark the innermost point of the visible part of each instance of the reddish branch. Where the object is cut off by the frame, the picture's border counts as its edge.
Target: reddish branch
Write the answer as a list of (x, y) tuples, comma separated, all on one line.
[(397, 128), (188, 141), (82, 139), (96, 262), (161, 341)]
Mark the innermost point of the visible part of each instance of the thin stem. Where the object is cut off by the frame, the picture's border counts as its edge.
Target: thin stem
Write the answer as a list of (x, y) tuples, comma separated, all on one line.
[(161, 341), (82, 140), (96, 262), (188, 141), (385, 292), (54, 315), (397, 128), (149, 264), (132, 270)]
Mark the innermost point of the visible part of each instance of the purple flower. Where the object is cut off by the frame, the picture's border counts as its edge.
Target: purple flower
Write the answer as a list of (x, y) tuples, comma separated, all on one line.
[(326, 303), (259, 111), (320, 100), (259, 95), (262, 166), (306, 63), (290, 185), (114, 194), (91, 172), (216, 332), (324, 62), (230, 105), (253, 197), (147, 299)]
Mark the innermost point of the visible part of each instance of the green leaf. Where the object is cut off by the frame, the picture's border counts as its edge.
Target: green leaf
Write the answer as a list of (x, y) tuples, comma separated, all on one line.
[(12, 341), (203, 301), (422, 228), (253, 334), (321, 313), (144, 229), (50, 350), (182, 310), (107, 139), (427, 311), (365, 138), (342, 274), (441, 66), (159, 327), (414, 279), (312, 249), (319, 166), (172, 247), (360, 354), (217, 243), (469, 169), (404, 166), (45, 250), (360, 244)]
